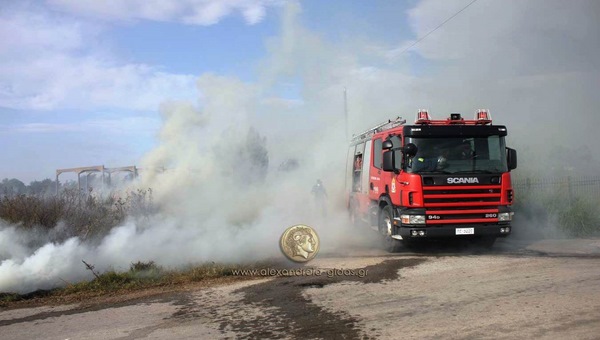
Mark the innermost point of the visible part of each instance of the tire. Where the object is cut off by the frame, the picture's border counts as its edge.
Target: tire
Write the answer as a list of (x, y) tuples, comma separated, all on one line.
[(385, 229)]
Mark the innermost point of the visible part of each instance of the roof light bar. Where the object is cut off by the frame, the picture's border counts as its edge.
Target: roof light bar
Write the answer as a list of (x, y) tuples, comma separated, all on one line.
[(483, 116), (423, 116)]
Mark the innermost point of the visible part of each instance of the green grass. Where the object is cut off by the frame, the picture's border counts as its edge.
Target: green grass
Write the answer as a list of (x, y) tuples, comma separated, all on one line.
[(580, 218), (552, 212), (148, 274)]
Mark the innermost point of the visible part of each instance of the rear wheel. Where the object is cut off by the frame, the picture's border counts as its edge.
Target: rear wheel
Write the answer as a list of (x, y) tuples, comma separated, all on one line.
[(385, 229)]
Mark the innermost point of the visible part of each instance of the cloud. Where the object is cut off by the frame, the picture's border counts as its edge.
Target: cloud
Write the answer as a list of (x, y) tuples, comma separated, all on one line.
[(50, 62), (193, 12), (125, 125)]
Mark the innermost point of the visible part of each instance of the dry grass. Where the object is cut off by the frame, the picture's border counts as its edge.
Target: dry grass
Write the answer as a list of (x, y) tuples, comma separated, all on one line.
[(142, 278), (85, 216)]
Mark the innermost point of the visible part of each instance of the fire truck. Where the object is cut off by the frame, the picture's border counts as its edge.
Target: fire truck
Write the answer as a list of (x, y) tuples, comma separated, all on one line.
[(446, 178)]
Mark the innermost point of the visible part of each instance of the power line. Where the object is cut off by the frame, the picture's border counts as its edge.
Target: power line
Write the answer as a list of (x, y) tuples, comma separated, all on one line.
[(435, 29)]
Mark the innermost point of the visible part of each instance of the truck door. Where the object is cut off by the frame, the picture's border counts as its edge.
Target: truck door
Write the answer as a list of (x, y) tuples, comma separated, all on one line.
[(360, 176), (356, 168), (375, 183), (396, 185), (366, 185)]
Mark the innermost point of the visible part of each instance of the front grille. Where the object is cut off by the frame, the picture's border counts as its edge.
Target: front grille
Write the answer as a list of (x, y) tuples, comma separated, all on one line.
[(472, 198), (457, 204), (463, 191)]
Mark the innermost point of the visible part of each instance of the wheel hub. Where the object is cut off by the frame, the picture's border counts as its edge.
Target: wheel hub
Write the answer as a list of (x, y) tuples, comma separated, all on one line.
[(388, 224)]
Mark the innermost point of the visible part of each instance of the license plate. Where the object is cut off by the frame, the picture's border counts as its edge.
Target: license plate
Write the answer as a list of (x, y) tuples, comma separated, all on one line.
[(465, 231)]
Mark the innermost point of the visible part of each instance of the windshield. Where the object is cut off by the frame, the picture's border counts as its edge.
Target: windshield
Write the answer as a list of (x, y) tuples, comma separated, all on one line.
[(451, 155)]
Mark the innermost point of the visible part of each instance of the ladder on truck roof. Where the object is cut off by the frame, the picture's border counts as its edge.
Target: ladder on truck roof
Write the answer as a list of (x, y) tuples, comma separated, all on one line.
[(389, 124)]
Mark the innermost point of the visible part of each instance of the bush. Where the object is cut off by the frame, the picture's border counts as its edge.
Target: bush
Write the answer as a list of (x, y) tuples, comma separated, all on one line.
[(29, 211), (143, 270), (551, 214), (580, 218), (143, 267), (89, 217)]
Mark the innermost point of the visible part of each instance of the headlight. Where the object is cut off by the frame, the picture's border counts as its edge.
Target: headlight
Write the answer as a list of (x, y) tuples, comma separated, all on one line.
[(506, 216), (412, 219)]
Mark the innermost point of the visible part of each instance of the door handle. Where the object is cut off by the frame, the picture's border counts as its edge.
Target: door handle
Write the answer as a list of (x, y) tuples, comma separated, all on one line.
[(371, 185)]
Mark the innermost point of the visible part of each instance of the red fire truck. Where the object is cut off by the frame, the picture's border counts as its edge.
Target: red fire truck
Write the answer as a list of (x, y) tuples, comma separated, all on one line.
[(433, 179)]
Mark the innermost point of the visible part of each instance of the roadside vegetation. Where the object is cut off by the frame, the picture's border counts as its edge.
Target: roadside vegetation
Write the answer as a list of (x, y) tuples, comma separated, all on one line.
[(70, 213), (552, 214), (140, 276)]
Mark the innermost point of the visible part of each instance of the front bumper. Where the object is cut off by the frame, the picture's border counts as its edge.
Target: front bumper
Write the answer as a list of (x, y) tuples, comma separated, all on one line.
[(457, 229), (446, 231)]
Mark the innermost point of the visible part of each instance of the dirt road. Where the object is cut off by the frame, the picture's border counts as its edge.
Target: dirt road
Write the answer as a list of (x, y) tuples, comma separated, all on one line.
[(545, 290)]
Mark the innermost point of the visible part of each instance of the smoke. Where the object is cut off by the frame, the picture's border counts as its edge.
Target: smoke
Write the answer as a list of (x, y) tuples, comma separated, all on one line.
[(222, 198), (535, 64)]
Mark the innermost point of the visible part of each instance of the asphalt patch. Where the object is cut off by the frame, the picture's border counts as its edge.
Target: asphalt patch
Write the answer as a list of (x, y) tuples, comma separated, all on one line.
[(299, 317)]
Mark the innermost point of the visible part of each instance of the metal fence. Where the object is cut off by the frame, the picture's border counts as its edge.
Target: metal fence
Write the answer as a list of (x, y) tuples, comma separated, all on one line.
[(584, 186)]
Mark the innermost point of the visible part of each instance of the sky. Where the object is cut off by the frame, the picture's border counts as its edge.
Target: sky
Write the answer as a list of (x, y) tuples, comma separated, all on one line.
[(86, 83)]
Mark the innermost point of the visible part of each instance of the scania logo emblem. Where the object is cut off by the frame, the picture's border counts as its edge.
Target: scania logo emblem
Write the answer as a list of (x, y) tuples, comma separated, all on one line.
[(462, 180)]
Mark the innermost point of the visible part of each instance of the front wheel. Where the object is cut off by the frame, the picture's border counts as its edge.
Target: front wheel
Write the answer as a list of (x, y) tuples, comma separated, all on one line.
[(385, 229)]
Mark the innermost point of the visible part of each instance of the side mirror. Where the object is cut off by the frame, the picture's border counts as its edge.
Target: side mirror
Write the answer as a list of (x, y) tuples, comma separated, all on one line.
[(511, 158), (410, 150), (387, 145), (388, 161)]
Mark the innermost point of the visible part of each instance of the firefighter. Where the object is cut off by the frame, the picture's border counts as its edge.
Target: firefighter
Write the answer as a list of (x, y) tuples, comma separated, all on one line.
[(358, 161), (465, 151), (427, 160), (320, 196)]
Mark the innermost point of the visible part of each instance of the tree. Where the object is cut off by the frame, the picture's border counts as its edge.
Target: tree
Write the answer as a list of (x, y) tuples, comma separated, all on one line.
[(11, 187), (246, 159), (44, 187), (255, 156)]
